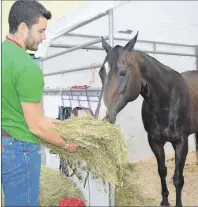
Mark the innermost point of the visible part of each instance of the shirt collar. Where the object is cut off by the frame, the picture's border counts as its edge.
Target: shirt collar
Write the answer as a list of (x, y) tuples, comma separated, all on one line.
[(15, 42)]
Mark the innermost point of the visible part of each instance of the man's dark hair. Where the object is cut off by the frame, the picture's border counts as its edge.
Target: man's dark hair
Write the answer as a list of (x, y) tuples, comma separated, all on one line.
[(27, 11)]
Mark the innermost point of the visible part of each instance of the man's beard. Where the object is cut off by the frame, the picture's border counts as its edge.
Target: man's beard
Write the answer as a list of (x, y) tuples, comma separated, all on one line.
[(30, 44)]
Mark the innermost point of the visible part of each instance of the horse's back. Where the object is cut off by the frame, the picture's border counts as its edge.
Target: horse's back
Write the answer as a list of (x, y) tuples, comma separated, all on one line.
[(192, 78)]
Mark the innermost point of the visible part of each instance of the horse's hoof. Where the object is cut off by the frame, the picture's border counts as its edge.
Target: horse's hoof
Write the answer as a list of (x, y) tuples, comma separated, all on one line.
[(168, 205), (165, 203)]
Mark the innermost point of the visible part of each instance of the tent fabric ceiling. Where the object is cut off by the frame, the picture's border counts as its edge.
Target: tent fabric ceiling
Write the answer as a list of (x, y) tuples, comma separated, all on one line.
[(84, 12), (168, 21)]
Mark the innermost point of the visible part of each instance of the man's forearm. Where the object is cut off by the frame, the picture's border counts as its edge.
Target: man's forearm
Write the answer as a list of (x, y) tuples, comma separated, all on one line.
[(44, 130), (40, 125), (53, 120)]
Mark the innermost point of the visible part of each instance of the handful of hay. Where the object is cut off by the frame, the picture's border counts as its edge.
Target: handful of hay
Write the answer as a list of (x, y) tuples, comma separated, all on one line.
[(102, 146)]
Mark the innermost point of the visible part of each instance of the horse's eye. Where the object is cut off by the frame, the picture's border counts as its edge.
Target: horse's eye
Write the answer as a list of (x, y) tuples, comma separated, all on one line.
[(123, 73)]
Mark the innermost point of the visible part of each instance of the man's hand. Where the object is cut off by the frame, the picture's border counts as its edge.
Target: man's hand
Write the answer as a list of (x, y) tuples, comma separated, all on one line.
[(72, 148), (53, 120)]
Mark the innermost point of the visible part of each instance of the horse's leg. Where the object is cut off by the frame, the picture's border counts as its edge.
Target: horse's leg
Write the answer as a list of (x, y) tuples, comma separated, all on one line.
[(181, 151), (158, 150)]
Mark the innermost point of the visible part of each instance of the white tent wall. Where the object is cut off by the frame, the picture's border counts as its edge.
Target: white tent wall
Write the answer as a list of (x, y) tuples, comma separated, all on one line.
[(156, 21)]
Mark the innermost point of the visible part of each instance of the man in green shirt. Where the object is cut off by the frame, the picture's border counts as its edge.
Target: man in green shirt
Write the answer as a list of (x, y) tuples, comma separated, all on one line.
[(23, 121)]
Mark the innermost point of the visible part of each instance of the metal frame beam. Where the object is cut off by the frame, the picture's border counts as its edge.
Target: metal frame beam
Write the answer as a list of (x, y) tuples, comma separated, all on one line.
[(70, 46), (91, 92), (75, 48), (58, 90), (154, 51), (128, 39), (85, 22), (73, 70)]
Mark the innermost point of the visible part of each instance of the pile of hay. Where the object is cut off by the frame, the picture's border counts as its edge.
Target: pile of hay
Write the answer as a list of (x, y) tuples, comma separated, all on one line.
[(102, 146), (130, 193), (54, 186)]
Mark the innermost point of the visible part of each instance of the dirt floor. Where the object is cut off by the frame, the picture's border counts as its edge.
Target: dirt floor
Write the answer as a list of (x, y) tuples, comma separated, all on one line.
[(142, 185)]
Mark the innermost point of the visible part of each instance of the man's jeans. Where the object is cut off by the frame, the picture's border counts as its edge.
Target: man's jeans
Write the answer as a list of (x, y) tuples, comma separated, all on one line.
[(21, 163)]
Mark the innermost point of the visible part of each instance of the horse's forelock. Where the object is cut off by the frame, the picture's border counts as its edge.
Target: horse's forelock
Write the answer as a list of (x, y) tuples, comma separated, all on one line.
[(113, 56)]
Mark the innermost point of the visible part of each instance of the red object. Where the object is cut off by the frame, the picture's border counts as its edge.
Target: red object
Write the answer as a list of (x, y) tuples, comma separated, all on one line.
[(80, 87), (11, 40), (71, 202)]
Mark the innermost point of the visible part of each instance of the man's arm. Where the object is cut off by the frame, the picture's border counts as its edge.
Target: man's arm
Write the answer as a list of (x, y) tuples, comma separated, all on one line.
[(53, 120), (40, 126), (29, 83)]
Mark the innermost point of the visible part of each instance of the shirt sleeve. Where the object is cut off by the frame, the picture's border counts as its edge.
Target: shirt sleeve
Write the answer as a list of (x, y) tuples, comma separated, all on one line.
[(30, 84)]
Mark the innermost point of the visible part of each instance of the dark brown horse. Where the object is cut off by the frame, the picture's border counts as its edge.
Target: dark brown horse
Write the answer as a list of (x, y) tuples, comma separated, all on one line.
[(170, 106)]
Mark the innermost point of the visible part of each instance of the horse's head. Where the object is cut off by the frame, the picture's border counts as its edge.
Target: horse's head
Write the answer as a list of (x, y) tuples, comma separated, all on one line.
[(121, 81)]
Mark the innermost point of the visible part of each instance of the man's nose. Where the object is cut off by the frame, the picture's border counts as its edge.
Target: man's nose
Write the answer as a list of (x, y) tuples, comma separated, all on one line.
[(44, 36)]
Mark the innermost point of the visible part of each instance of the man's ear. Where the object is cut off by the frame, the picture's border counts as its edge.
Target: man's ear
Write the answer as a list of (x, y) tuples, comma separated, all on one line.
[(23, 29)]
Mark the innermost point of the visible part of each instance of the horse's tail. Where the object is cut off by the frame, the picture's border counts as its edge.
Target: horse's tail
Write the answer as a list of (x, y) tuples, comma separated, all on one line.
[(196, 145)]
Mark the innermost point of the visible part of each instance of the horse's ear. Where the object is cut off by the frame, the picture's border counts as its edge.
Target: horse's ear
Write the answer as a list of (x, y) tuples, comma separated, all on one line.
[(105, 45), (130, 45)]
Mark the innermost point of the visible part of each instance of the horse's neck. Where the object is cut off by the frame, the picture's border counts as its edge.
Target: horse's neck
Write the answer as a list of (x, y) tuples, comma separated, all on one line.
[(156, 82)]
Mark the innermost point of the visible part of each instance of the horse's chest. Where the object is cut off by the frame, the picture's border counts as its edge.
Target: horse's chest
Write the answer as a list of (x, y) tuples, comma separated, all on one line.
[(161, 125)]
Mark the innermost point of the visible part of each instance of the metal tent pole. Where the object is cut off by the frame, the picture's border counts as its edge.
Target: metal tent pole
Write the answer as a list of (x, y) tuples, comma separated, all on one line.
[(92, 42), (85, 22), (111, 28), (128, 39), (154, 51), (74, 70), (111, 42)]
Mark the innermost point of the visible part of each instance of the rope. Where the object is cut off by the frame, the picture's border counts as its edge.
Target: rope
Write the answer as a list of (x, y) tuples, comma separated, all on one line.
[(93, 74)]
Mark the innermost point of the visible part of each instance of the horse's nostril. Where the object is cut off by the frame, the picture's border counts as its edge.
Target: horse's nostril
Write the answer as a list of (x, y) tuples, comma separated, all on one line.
[(109, 119), (105, 118)]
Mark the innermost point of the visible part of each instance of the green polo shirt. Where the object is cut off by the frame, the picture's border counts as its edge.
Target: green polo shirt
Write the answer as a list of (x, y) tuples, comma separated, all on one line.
[(22, 81)]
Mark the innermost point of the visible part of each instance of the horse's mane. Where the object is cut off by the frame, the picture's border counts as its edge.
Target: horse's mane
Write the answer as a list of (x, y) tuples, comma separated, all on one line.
[(157, 62)]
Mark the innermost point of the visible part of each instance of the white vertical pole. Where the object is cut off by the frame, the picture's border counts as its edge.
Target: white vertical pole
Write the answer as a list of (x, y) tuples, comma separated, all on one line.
[(111, 28), (111, 42)]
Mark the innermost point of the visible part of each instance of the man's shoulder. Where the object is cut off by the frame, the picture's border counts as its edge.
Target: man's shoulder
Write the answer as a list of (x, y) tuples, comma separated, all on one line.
[(10, 46), (18, 57), (12, 50)]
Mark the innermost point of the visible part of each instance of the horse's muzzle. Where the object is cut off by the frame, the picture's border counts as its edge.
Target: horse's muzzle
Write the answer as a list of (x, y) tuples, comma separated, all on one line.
[(109, 119)]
